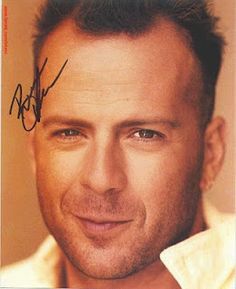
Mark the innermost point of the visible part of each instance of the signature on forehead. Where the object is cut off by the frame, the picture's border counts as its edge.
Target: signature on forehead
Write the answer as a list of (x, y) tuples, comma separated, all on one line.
[(33, 101)]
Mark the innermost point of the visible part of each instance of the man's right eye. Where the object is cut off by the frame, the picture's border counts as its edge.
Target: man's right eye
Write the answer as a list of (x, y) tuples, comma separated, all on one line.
[(68, 135)]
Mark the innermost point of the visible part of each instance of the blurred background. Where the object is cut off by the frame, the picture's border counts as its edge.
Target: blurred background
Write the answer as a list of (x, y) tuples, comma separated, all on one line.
[(22, 227)]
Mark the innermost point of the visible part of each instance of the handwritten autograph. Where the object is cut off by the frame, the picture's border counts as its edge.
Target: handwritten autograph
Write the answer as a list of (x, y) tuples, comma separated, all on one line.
[(34, 100)]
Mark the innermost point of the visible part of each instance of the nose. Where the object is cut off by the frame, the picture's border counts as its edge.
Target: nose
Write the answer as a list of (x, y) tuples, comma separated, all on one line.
[(103, 170)]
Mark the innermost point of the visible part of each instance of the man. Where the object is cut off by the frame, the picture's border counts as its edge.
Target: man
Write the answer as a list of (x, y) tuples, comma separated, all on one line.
[(124, 145)]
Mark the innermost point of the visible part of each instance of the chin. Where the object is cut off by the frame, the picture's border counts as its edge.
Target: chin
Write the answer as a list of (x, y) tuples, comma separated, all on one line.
[(109, 263)]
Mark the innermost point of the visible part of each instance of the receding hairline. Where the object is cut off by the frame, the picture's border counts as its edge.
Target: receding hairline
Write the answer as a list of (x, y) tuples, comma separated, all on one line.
[(70, 24), (195, 75), (97, 17)]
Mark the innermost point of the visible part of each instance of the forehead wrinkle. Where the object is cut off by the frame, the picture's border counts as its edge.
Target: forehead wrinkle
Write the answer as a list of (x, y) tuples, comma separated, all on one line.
[(101, 102), (102, 97)]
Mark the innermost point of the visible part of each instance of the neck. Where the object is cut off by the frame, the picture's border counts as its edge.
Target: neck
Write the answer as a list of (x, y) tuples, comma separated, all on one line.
[(155, 275)]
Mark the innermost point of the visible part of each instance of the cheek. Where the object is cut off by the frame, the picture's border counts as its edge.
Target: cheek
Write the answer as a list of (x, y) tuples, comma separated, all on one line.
[(55, 172), (160, 180), (155, 172)]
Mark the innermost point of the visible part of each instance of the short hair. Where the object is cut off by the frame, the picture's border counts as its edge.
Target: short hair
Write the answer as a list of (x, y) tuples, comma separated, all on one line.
[(134, 17)]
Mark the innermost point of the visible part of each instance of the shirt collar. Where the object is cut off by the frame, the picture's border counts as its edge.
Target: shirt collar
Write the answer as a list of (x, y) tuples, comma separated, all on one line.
[(204, 260), (48, 264)]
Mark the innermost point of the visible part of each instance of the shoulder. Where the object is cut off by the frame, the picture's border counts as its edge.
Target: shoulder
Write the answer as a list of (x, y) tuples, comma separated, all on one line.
[(41, 270), (207, 257), (19, 274)]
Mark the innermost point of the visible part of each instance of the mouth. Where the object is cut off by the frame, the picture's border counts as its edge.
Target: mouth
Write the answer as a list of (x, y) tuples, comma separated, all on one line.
[(96, 227)]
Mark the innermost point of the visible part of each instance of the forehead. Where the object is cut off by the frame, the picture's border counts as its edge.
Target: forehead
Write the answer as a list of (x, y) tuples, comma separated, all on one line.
[(165, 46), (112, 67)]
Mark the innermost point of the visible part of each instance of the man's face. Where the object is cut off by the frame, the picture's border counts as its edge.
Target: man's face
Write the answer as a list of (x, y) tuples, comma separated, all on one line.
[(118, 150)]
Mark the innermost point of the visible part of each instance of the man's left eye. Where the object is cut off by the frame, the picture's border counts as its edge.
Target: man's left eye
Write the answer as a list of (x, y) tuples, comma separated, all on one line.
[(147, 134)]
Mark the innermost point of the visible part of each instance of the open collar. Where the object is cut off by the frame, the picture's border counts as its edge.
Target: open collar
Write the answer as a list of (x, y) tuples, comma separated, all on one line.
[(207, 259), (202, 261)]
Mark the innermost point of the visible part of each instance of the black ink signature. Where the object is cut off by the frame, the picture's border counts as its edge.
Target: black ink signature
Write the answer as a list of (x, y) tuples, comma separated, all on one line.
[(34, 100)]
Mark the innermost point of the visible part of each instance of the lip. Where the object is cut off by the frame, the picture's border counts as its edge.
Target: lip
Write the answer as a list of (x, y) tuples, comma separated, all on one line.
[(97, 227)]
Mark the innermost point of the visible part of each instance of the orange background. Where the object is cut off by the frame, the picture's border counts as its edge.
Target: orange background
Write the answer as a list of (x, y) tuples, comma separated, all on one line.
[(22, 226)]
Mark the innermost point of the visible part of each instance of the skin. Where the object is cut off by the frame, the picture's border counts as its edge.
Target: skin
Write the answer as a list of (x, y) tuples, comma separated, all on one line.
[(119, 158)]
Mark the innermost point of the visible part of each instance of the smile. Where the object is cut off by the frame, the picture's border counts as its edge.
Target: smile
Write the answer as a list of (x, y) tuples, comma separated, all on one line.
[(94, 227)]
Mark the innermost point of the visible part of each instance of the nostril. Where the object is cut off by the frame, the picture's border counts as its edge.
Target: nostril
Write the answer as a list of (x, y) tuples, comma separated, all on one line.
[(103, 182)]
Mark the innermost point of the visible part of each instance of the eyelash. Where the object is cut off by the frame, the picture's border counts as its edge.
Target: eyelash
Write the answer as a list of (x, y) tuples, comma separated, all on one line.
[(152, 135), (148, 135), (75, 134)]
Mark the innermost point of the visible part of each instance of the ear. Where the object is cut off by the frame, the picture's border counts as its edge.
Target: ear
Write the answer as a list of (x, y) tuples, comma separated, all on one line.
[(214, 151), (31, 149)]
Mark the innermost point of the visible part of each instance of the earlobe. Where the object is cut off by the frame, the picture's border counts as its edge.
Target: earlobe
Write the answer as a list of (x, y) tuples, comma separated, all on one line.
[(214, 151)]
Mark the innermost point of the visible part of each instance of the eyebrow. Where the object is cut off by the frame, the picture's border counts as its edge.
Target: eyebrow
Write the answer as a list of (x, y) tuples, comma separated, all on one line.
[(152, 121), (68, 121)]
